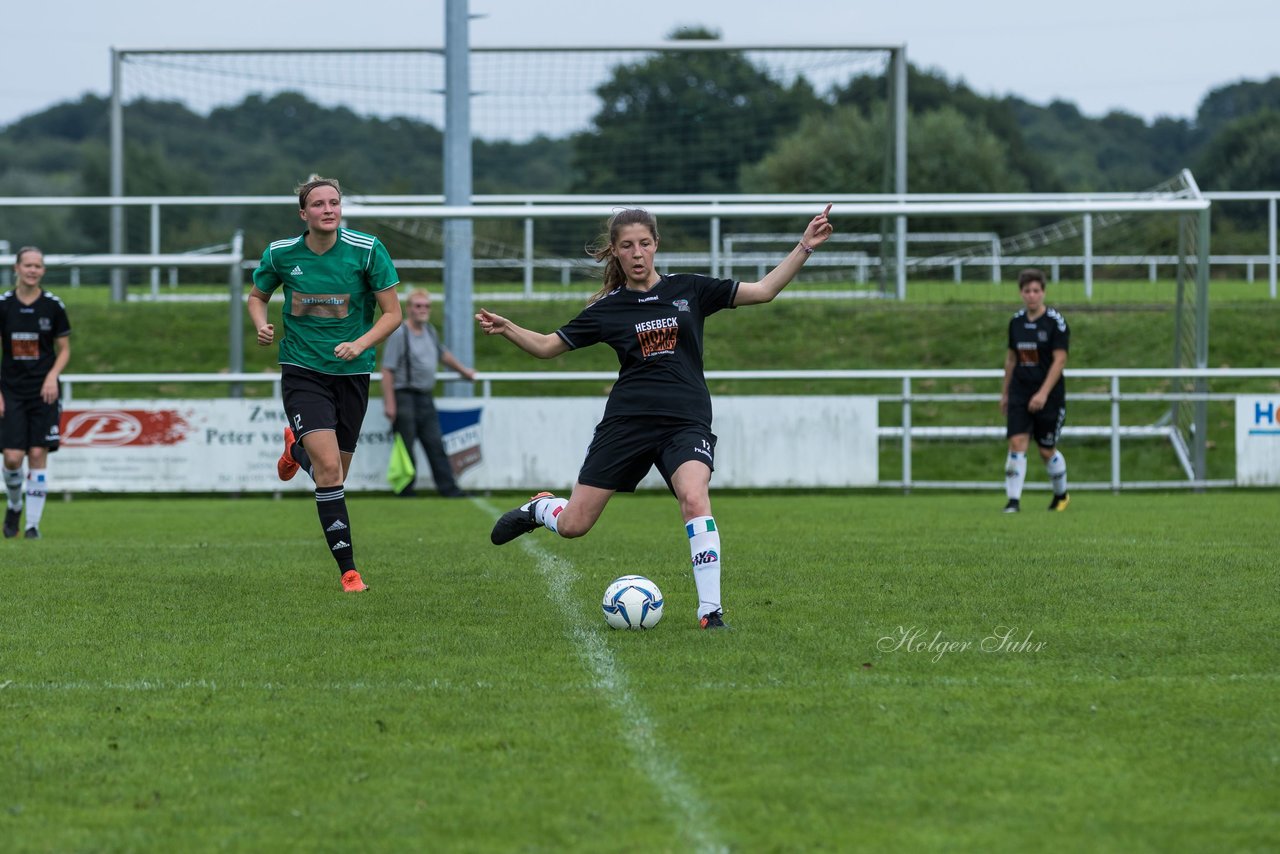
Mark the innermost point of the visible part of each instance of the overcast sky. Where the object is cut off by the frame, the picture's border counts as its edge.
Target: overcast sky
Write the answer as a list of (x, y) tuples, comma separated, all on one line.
[(1147, 57)]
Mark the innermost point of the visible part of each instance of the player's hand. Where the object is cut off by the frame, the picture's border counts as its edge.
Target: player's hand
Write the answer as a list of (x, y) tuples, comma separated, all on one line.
[(348, 350), (48, 391), (266, 334), (1004, 404), (490, 323), (1037, 401), (818, 229)]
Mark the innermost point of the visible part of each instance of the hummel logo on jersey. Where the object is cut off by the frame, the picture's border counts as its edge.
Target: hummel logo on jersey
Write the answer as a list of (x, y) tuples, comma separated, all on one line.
[(336, 526), (296, 271), (340, 545)]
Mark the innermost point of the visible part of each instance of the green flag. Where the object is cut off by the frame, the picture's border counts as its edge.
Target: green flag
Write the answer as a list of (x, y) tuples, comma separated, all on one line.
[(400, 471)]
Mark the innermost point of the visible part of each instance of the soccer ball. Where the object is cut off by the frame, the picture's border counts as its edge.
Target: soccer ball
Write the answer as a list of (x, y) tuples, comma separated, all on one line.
[(632, 602)]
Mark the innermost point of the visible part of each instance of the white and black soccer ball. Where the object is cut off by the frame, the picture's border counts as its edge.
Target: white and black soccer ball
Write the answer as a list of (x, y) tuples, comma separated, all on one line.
[(632, 602)]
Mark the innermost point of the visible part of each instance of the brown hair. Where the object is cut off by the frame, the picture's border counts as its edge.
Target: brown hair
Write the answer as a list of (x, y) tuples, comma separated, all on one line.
[(17, 258), (601, 248), (304, 189), (1031, 274)]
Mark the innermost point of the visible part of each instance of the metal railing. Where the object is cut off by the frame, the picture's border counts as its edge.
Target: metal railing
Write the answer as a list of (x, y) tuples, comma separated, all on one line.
[(714, 208), (907, 433)]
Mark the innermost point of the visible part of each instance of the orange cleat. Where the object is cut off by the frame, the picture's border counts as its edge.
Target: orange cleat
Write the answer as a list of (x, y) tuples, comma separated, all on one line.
[(352, 582), (714, 620), (286, 466)]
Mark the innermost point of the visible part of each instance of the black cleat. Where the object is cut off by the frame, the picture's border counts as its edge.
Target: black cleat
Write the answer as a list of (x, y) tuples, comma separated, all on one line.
[(513, 523), (32, 534), (1059, 503), (1013, 506), (11, 518), (714, 620)]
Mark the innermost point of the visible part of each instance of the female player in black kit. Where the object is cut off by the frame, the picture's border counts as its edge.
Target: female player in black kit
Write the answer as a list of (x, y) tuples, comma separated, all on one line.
[(659, 410), (1034, 395)]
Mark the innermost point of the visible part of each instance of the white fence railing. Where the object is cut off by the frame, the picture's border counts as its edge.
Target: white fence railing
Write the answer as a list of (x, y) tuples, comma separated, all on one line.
[(907, 433), (719, 258)]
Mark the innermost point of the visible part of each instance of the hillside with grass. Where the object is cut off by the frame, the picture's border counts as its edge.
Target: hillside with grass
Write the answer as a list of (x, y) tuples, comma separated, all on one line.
[(1121, 327)]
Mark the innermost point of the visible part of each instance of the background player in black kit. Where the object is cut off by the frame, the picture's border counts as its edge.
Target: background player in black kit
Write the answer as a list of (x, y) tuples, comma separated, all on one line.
[(36, 348), (1034, 397), (659, 410)]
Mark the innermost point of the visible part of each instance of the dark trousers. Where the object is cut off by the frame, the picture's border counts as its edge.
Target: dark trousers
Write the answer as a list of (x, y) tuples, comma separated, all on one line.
[(416, 419)]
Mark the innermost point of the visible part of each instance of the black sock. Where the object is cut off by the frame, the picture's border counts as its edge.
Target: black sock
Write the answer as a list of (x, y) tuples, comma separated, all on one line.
[(331, 504), (302, 458)]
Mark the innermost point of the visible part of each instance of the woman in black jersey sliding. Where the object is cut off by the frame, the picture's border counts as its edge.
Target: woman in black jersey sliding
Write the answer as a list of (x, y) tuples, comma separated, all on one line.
[(659, 410)]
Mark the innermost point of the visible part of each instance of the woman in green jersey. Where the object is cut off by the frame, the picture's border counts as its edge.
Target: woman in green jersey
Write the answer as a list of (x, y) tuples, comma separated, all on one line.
[(333, 279)]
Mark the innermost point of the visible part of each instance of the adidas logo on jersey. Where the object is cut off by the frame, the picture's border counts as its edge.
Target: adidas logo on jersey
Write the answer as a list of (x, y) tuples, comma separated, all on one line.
[(336, 526), (340, 545), (296, 271)]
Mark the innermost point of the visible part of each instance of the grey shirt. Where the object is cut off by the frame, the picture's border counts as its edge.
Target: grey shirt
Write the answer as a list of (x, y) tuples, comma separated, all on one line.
[(415, 369)]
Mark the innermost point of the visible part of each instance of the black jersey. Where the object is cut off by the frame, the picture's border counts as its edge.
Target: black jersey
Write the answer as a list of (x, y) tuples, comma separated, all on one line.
[(29, 332), (1033, 343), (657, 335)]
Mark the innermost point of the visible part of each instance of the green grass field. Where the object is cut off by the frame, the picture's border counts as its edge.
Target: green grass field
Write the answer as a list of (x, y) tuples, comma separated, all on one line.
[(184, 675)]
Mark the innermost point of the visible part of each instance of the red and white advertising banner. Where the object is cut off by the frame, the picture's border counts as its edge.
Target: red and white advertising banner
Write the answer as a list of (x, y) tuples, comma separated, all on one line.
[(494, 443), (192, 446)]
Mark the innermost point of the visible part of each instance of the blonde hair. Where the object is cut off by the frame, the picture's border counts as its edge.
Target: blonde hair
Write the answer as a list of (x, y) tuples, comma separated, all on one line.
[(17, 258), (601, 249), (304, 189)]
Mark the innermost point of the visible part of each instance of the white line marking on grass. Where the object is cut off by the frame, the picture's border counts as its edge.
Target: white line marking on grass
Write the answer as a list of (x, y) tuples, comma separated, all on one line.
[(611, 680)]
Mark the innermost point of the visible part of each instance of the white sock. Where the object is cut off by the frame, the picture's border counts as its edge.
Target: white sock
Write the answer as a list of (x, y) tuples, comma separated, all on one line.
[(1057, 466), (37, 489), (1015, 475), (13, 486), (704, 547), (547, 510)]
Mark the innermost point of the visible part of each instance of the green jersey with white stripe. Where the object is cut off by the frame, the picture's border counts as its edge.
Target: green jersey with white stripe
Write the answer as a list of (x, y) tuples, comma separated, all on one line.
[(328, 299)]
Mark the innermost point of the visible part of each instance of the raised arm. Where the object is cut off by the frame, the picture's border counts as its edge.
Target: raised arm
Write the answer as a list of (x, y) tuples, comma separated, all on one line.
[(815, 234), (544, 346)]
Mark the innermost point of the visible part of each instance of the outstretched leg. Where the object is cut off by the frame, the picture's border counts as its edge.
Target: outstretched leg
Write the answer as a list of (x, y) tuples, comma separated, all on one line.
[(570, 518)]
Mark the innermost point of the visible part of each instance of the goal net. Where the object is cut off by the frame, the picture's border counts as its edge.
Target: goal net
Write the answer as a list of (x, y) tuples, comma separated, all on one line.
[(550, 120), (523, 94)]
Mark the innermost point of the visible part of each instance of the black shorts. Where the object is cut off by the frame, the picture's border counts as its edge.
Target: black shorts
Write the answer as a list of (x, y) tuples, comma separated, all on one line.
[(1044, 426), (315, 401), (624, 448), (29, 422)]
